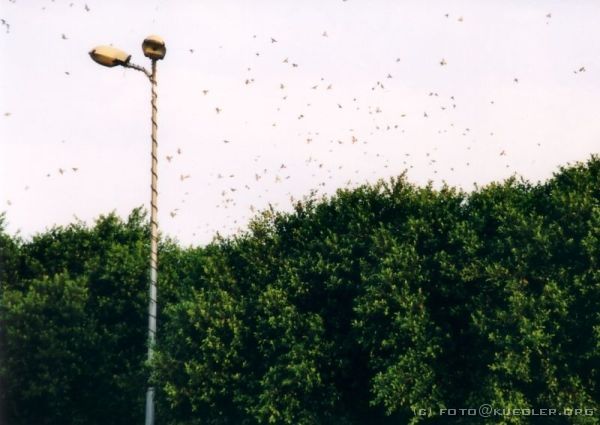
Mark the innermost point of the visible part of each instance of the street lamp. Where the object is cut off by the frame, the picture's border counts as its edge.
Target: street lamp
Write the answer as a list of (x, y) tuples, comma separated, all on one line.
[(154, 48)]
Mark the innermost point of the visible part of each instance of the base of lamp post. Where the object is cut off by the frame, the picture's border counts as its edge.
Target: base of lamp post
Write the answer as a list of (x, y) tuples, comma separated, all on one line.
[(150, 406)]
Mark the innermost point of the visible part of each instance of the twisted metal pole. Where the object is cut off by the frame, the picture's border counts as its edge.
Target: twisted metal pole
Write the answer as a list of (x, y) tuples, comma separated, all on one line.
[(154, 48), (153, 247)]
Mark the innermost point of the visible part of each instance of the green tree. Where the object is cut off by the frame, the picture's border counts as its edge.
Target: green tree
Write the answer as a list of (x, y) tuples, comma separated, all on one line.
[(359, 308), (47, 332), (97, 375)]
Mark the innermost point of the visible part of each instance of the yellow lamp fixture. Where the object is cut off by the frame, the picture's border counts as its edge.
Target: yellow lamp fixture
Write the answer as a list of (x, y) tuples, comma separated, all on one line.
[(154, 47), (109, 56)]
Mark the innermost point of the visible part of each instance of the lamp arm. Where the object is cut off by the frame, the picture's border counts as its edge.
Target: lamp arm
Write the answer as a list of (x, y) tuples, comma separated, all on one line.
[(139, 68)]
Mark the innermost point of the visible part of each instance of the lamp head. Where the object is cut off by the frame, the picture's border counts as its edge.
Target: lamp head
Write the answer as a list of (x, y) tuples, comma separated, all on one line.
[(109, 56), (154, 47)]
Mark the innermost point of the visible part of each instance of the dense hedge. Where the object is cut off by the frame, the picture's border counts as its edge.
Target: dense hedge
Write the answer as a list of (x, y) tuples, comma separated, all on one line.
[(367, 308)]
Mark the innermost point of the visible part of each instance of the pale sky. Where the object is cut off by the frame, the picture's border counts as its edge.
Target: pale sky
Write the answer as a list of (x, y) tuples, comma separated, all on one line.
[(313, 95)]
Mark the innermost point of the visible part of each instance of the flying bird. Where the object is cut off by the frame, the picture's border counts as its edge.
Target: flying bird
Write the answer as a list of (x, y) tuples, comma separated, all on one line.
[(5, 24)]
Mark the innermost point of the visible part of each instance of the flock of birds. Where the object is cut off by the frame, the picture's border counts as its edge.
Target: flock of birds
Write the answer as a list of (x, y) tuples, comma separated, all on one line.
[(257, 183)]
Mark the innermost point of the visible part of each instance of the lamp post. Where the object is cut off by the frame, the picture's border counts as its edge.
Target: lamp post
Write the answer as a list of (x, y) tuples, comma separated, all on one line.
[(153, 48)]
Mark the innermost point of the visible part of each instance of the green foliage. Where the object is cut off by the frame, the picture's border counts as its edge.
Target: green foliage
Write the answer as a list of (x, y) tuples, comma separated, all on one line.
[(386, 299), (47, 331), (73, 320), (359, 309)]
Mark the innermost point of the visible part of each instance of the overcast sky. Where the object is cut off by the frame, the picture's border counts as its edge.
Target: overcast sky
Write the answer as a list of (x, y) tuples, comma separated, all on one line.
[(313, 95)]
